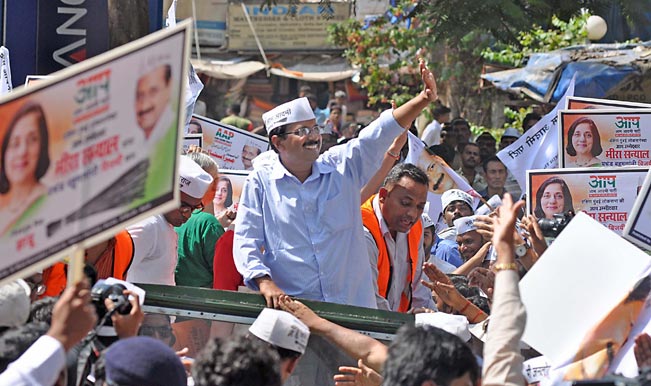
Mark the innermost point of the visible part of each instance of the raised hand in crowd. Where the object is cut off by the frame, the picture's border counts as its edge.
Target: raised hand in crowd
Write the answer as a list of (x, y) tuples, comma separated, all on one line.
[(270, 291), (448, 294), (73, 315), (128, 325), (390, 158), (484, 279), (504, 230), (484, 226), (226, 218), (361, 375), (642, 351)]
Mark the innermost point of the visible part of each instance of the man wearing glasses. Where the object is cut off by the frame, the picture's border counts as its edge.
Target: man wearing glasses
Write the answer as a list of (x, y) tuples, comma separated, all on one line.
[(154, 239), (299, 227)]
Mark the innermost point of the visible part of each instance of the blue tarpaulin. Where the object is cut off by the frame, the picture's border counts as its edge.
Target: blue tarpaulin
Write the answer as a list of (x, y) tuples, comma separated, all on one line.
[(599, 68)]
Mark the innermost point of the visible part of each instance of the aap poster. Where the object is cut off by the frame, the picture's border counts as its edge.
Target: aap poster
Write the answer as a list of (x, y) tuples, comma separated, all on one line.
[(229, 190), (230, 147), (581, 103), (605, 194), (638, 226), (90, 149), (594, 138)]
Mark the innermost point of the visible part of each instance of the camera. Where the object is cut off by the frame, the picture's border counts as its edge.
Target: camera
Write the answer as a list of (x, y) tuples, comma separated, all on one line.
[(552, 227), (102, 291)]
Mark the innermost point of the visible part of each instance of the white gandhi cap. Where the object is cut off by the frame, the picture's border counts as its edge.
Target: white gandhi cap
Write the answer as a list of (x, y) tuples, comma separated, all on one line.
[(297, 110), (452, 195), (193, 179), (465, 224), (281, 329), (454, 324)]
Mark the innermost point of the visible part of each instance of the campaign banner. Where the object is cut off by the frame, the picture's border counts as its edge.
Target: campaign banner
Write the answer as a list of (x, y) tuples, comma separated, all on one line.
[(441, 176), (638, 226), (229, 189), (582, 103), (594, 138), (605, 194), (538, 147), (91, 149), (230, 147)]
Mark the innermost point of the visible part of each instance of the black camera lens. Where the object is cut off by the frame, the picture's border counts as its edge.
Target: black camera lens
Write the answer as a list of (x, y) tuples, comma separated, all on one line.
[(102, 291), (554, 226)]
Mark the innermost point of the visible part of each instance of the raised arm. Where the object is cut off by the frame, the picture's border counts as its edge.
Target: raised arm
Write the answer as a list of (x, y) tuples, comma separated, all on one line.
[(354, 344)]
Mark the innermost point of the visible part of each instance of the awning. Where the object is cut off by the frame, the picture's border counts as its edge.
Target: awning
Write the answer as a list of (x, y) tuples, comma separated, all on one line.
[(599, 70), (312, 68), (227, 69)]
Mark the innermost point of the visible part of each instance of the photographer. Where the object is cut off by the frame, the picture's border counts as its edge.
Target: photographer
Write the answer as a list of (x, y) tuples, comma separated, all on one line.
[(73, 316)]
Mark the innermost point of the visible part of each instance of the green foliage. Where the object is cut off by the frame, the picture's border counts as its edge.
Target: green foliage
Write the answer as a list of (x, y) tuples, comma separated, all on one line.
[(515, 118), (564, 34)]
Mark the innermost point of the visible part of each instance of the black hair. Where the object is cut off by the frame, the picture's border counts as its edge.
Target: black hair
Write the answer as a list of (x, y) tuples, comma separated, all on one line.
[(443, 151), (235, 108), (440, 109), (237, 361), (14, 342), (41, 310), (480, 302), (280, 130), (532, 116), (596, 138), (408, 170), (462, 146), (44, 155), (426, 353), (492, 158), (567, 196), (459, 121)]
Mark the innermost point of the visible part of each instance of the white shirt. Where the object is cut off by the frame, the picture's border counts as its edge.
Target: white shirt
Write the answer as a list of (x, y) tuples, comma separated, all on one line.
[(40, 365), (155, 251), (432, 133), (398, 250)]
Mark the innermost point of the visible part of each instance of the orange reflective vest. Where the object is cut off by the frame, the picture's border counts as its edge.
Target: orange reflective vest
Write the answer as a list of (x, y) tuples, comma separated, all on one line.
[(385, 270), (55, 277)]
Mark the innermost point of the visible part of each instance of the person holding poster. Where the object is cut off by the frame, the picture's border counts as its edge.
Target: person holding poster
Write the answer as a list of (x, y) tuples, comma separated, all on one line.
[(583, 144), (24, 161), (154, 238), (553, 197), (299, 227)]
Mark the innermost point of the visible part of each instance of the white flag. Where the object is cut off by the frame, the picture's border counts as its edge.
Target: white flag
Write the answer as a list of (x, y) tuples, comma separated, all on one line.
[(538, 147), (441, 176)]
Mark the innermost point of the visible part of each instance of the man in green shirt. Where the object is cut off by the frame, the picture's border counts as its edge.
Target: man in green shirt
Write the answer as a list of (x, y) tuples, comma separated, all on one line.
[(234, 118)]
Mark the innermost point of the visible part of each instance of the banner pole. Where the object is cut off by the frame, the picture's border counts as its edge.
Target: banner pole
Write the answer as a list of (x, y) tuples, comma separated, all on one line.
[(76, 265)]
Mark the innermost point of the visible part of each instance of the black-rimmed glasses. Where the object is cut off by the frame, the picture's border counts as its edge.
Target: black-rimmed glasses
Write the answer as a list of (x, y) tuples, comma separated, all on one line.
[(304, 130), (187, 209)]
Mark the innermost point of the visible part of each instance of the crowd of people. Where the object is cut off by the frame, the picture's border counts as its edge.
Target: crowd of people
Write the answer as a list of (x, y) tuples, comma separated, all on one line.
[(343, 223)]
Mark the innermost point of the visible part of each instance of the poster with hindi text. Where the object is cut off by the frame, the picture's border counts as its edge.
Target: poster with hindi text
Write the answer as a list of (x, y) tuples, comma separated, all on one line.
[(605, 194), (90, 150), (609, 138), (582, 103), (638, 226), (230, 147)]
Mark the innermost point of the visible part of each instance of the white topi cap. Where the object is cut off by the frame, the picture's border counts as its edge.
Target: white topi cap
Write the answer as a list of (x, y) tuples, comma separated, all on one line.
[(511, 132), (297, 110), (454, 324), (14, 299), (465, 224), (281, 329), (193, 179), (427, 220), (452, 195)]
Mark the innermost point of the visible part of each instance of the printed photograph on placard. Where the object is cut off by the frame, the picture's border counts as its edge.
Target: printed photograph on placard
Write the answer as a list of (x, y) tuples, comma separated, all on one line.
[(90, 149), (605, 194), (595, 138), (582, 103), (638, 226), (229, 189), (230, 147)]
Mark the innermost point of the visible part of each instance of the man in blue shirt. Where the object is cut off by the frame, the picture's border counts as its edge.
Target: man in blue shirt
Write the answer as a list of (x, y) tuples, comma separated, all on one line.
[(299, 227)]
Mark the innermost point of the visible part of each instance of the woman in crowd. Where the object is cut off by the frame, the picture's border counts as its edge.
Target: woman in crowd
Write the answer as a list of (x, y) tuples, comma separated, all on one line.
[(583, 144), (553, 197)]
